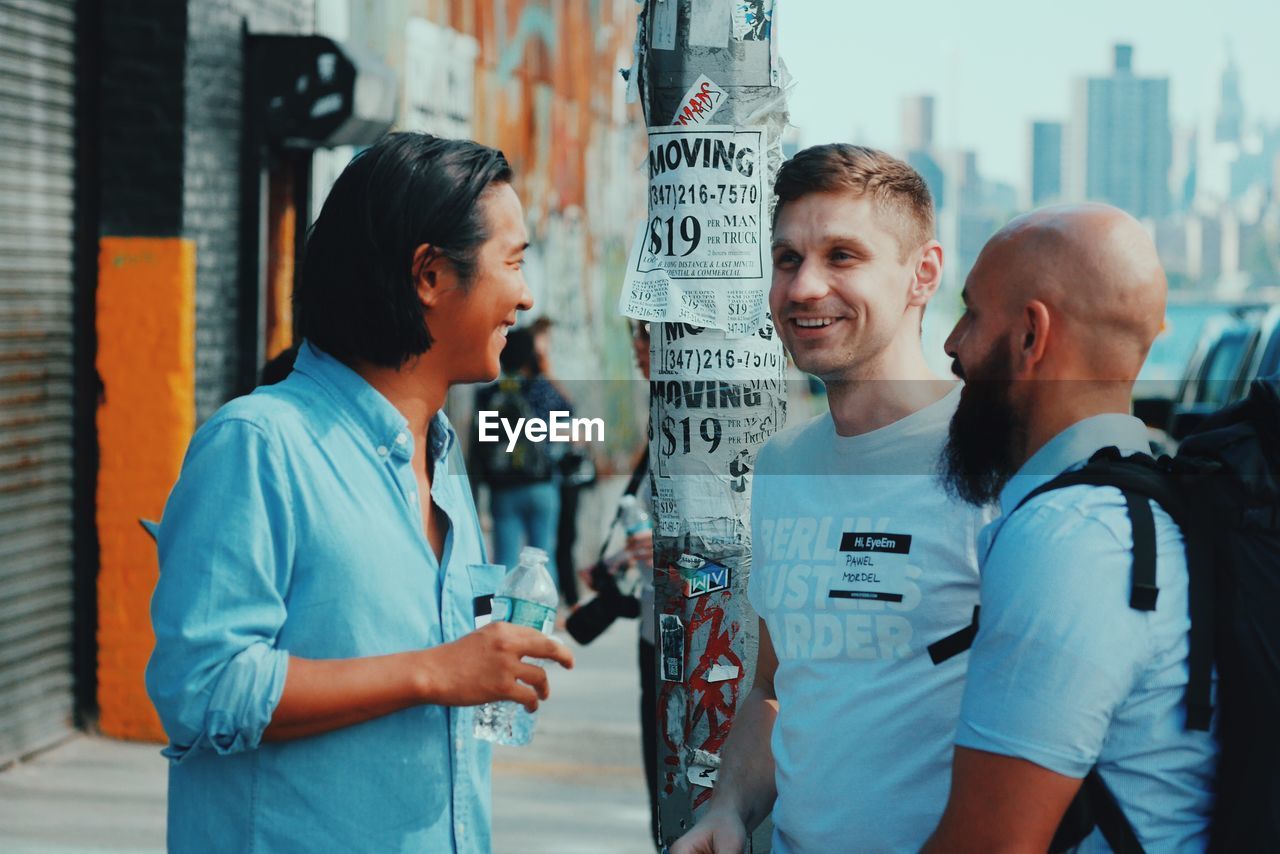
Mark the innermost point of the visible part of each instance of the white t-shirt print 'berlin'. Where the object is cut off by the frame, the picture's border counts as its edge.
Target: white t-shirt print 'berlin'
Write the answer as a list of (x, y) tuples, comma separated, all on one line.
[(861, 562)]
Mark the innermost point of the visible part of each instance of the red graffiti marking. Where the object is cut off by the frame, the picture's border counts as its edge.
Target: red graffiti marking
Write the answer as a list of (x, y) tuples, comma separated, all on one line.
[(715, 702), (700, 103)]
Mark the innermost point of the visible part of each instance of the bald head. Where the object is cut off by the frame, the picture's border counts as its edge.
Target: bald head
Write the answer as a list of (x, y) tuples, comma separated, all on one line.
[(1096, 270)]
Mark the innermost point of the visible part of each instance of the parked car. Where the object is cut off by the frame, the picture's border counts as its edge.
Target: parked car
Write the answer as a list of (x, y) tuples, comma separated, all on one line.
[(1265, 361), (1230, 354)]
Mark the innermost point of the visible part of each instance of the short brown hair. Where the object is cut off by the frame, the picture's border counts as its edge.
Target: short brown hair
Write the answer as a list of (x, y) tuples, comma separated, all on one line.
[(897, 189)]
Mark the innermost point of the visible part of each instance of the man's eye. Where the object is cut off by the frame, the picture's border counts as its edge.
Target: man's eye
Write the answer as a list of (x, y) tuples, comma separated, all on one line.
[(786, 258)]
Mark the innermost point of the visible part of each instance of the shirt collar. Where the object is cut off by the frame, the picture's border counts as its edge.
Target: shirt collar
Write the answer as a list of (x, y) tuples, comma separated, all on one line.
[(1073, 447), (383, 425)]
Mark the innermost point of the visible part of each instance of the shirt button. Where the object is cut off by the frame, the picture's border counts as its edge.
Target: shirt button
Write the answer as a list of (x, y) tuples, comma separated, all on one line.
[(462, 828), (401, 438), (382, 450), (457, 742)]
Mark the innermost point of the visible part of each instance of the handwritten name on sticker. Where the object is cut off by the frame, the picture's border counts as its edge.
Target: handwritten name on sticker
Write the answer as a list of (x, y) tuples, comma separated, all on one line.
[(700, 103)]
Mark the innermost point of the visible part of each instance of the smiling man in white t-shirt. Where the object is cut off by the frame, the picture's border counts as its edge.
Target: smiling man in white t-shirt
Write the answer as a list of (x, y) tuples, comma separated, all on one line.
[(861, 561)]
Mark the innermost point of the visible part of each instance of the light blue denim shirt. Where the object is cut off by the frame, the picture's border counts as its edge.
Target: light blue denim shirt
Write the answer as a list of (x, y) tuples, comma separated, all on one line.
[(295, 528), (1063, 673)]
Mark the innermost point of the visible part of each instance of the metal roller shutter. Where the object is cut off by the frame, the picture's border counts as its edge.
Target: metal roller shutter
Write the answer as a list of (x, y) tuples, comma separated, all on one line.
[(37, 158)]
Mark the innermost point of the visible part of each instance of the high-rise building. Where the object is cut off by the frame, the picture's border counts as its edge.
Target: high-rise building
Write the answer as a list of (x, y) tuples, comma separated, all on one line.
[(917, 122), (1119, 139), (917, 143), (1184, 169), (1228, 125), (1046, 163)]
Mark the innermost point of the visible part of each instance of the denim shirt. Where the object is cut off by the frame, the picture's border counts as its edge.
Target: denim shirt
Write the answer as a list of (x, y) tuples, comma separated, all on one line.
[(295, 528)]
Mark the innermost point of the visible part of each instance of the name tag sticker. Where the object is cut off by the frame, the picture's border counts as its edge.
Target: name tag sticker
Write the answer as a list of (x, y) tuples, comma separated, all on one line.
[(483, 608), (485, 578), (871, 566)]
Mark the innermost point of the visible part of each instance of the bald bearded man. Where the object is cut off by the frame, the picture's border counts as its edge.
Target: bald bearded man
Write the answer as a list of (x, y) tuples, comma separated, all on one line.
[(1061, 308)]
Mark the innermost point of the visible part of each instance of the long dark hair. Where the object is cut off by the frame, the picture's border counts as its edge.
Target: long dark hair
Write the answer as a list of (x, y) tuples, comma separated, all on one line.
[(356, 298)]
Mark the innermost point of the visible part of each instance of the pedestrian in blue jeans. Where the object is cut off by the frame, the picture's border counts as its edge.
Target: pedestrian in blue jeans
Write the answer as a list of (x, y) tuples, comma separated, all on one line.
[(524, 494)]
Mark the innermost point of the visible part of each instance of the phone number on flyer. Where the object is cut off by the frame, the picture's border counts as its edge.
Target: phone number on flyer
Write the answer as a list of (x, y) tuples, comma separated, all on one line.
[(667, 195), (708, 359)]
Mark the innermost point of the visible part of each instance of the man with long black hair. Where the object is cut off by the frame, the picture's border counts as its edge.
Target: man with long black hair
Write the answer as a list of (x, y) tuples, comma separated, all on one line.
[(320, 556)]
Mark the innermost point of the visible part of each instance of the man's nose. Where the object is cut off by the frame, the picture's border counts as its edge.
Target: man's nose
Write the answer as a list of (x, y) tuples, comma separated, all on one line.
[(949, 346), (807, 284)]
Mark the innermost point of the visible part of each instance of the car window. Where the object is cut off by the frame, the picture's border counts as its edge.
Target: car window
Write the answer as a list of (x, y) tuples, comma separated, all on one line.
[(1221, 368), (1270, 364)]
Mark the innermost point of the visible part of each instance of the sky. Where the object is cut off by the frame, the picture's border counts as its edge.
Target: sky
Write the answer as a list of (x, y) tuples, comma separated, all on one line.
[(996, 65)]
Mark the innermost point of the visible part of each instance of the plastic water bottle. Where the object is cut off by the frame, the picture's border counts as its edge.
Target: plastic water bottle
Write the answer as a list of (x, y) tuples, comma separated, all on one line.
[(634, 517), (527, 597)]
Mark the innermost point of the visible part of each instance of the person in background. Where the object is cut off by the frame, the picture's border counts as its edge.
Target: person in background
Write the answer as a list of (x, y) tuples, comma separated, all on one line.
[(575, 471), (316, 657), (524, 496)]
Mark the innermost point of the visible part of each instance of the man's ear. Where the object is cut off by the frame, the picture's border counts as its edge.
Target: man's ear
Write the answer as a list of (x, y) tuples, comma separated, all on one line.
[(1034, 332), (928, 275), (428, 266)]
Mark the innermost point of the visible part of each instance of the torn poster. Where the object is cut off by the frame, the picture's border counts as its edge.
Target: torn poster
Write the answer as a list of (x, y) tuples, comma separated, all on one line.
[(663, 35), (709, 432), (709, 23), (751, 19), (671, 637), (723, 673), (687, 352), (703, 775), (701, 258)]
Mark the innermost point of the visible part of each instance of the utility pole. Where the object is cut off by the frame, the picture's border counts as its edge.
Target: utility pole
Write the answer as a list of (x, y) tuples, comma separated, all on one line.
[(712, 90)]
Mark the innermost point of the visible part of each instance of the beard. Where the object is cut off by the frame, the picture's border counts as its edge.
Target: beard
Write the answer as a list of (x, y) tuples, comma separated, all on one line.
[(985, 432)]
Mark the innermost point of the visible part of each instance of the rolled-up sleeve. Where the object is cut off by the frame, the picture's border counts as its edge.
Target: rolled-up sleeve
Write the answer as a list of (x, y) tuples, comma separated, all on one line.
[(226, 548)]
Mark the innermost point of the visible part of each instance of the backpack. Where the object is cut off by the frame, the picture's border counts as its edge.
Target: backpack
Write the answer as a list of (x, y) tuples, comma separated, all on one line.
[(528, 462), (1223, 491)]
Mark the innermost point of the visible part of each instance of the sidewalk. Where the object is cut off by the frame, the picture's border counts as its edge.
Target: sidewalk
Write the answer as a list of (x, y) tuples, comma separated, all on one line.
[(578, 788)]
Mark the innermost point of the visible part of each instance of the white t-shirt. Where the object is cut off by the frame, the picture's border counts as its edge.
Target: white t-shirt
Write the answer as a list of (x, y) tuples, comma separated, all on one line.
[(861, 561)]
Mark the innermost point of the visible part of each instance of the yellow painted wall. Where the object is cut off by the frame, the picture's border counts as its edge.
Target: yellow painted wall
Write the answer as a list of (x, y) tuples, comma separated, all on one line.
[(146, 319)]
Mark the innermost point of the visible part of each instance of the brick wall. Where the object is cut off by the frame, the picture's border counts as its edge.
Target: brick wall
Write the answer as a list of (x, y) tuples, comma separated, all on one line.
[(211, 189), (167, 289), (143, 45)]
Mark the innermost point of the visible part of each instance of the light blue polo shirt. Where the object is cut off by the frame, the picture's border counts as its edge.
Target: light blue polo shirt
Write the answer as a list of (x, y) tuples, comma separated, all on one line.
[(295, 529), (1063, 672)]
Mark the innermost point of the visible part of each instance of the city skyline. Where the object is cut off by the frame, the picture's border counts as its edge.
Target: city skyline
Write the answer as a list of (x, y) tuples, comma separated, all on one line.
[(989, 83)]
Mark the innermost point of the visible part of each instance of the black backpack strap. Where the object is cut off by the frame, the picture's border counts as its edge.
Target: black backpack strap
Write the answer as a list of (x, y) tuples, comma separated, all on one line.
[(1142, 479), (1142, 586), (1139, 480), (633, 485), (1109, 816), (637, 474), (1200, 595), (956, 642)]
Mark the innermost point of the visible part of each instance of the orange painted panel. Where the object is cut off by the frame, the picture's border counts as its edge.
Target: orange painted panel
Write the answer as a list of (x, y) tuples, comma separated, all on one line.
[(146, 313)]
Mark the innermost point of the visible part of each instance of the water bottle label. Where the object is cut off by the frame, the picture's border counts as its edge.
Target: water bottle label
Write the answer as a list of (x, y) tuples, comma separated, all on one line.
[(524, 613)]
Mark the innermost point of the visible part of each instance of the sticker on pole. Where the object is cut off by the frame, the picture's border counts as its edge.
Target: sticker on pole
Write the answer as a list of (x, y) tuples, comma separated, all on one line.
[(700, 103), (701, 257)]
